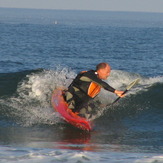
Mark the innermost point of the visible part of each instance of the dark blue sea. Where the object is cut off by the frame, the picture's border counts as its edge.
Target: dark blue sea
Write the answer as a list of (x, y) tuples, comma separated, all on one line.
[(41, 50)]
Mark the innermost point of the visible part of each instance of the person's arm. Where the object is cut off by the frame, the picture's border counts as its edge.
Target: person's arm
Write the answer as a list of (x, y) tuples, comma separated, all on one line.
[(105, 85), (111, 89), (91, 75)]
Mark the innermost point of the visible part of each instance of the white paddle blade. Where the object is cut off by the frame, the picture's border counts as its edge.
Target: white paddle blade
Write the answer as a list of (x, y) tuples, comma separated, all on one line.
[(132, 84)]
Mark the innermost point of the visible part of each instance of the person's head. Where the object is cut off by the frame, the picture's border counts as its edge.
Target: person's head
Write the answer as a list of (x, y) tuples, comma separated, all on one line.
[(103, 70)]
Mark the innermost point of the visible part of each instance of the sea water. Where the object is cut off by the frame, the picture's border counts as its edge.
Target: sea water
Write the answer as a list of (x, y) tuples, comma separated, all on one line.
[(41, 50)]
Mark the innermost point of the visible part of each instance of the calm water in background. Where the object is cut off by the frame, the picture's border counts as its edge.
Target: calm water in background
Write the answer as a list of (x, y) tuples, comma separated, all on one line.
[(43, 49)]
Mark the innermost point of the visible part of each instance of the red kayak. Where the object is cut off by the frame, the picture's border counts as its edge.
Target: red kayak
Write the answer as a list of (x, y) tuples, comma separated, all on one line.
[(60, 105)]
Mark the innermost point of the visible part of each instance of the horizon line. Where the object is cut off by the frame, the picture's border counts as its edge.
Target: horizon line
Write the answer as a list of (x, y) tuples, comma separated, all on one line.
[(154, 12)]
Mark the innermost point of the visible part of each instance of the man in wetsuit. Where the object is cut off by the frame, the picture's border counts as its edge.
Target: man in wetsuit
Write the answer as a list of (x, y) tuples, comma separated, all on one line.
[(86, 86)]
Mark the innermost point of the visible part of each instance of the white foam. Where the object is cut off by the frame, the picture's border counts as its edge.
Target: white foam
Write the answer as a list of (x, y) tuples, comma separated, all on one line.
[(152, 159), (32, 104), (42, 155), (120, 79)]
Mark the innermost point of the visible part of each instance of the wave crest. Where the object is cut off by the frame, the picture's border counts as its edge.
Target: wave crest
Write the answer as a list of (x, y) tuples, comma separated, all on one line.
[(30, 104)]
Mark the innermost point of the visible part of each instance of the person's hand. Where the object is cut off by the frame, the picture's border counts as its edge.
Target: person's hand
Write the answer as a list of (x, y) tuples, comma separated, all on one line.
[(119, 93)]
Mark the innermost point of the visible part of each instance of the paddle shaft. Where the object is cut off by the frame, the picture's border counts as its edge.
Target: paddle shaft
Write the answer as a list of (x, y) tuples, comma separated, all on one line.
[(127, 89), (120, 97)]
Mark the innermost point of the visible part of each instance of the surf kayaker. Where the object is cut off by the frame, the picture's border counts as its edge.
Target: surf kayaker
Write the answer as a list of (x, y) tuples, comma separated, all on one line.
[(87, 86)]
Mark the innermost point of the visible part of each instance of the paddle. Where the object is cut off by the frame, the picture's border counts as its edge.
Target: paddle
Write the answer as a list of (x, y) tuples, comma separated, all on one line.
[(127, 89)]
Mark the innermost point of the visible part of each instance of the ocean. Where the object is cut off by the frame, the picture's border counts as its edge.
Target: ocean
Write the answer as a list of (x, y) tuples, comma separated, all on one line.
[(41, 50)]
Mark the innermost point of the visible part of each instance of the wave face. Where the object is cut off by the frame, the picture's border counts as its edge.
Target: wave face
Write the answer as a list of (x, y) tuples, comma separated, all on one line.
[(25, 98)]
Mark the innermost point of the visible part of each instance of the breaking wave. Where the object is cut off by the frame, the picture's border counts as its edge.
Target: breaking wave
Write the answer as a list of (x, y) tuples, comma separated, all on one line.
[(26, 99)]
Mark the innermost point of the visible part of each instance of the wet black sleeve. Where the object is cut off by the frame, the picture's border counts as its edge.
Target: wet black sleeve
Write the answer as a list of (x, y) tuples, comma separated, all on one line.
[(91, 74)]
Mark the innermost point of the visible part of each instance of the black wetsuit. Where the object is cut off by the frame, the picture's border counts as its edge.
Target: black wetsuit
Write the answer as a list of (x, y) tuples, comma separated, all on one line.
[(79, 88)]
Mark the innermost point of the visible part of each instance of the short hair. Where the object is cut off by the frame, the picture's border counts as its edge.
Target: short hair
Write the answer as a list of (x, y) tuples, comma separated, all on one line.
[(101, 66)]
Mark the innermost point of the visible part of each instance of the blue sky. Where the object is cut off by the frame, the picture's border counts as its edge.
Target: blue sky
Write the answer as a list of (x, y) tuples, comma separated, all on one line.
[(110, 5)]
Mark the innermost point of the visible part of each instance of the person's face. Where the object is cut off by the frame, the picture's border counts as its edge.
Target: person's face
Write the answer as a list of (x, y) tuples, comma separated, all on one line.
[(104, 73)]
